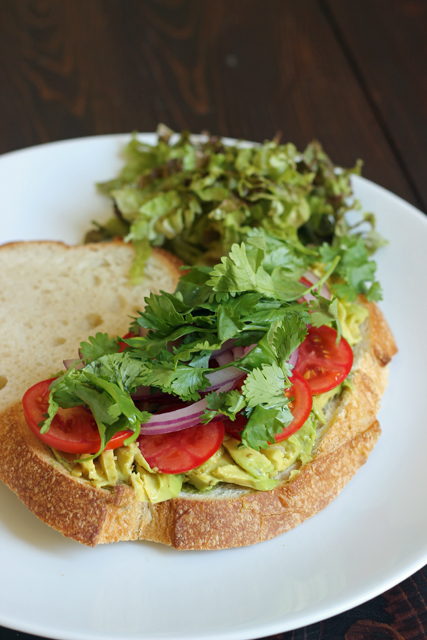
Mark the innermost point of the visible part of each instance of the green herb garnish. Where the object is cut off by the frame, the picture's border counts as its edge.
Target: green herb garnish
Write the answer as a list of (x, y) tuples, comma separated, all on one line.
[(237, 300), (197, 197)]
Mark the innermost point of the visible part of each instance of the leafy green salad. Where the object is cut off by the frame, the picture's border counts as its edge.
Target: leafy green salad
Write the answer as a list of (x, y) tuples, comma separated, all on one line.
[(196, 197)]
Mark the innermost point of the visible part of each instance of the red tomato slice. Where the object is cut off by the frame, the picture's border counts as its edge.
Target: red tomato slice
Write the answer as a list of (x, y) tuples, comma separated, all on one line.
[(322, 362), (300, 408), (300, 405), (72, 430), (306, 282), (184, 450), (123, 345)]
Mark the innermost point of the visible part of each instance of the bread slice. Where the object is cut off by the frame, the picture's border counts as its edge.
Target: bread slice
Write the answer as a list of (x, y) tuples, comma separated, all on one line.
[(53, 296), (228, 516)]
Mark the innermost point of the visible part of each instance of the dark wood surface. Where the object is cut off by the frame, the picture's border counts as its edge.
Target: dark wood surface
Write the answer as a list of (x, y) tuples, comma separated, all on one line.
[(351, 73)]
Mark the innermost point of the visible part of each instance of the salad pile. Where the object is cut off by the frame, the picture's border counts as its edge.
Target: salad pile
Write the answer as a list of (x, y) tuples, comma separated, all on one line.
[(197, 197), (240, 348)]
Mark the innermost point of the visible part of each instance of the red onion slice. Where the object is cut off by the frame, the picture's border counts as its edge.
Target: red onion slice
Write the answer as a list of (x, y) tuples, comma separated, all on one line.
[(324, 291), (219, 378), (228, 344), (246, 350), (180, 419), (225, 358), (294, 357), (238, 352), (70, 361)]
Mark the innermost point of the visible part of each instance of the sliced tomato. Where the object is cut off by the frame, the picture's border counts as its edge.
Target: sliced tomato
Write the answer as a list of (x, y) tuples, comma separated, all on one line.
[(184, 450), (322, 362), (123, 345), (306, 282), (300, 407), (72, 430)]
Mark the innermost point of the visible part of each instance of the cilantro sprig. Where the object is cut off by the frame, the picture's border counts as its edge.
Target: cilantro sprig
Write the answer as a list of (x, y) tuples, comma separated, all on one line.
[(242, 300)]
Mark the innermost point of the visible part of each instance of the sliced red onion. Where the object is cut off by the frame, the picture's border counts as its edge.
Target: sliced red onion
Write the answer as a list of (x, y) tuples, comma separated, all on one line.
[(180, 419), (324, 291), (228, 344), (225, 358), (246, 350), (294, 357), (69, 363), (238, 352), (221, 377)]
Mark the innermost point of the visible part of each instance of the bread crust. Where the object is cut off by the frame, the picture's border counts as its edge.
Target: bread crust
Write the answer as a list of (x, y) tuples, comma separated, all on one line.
[(92, 516)]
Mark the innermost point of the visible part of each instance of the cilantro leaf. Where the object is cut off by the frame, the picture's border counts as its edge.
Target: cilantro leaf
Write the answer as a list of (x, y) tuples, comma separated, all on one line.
[(288, 335), (229, 323), (265, 386), (98, 346), (184, 381), (241, 272), (325, 311), (161, 314), (262, 426), (228, 403), (355, 271)]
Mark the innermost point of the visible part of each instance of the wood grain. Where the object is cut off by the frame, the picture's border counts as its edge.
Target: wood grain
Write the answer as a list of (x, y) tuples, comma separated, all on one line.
[(387, 46), (245, 69)]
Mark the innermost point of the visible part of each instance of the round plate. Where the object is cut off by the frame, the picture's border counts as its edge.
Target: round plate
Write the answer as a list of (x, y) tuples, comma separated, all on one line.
[(370, 538)]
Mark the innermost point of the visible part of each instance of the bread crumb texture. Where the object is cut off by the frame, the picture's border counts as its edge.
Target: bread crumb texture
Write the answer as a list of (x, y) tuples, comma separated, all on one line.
[(54, 296)]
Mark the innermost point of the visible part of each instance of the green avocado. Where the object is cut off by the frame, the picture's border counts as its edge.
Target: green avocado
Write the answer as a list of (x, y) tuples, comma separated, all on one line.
[(249, 468), (322, 399), (244, 467), (297, 447), (253, 462), (351, 315), (155, 487), (202, 477), (234, 474)]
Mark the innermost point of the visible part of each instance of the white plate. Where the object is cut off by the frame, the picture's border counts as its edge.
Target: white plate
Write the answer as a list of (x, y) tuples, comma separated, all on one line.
[(369, 539)]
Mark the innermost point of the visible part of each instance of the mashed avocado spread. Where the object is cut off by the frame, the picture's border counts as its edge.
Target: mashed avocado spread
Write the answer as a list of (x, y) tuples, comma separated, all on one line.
[(231, 464)]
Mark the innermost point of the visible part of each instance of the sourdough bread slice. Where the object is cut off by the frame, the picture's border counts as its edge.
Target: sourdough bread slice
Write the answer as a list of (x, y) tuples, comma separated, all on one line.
[(53, 296), (228, 516)]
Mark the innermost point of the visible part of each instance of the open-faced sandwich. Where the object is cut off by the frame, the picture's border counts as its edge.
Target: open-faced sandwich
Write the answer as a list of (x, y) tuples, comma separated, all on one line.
[(237, 406), (232, 411)]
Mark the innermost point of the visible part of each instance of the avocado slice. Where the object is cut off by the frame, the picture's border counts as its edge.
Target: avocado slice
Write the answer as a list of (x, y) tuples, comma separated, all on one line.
[(234, 474), (253, 462)]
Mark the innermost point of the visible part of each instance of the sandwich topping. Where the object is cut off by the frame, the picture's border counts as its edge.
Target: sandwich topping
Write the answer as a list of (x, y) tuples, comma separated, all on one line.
[(225, 380), (218, 388)]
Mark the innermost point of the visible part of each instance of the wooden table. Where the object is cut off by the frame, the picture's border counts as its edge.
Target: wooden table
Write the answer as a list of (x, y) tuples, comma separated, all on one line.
[(352, 73)]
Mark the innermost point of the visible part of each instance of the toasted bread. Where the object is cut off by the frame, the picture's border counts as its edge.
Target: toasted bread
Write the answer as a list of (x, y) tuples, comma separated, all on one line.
[(228, 516), (53, 296)]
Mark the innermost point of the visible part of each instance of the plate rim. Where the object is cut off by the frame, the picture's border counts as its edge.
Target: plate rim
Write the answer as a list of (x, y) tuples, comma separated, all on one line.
[(304, 618)]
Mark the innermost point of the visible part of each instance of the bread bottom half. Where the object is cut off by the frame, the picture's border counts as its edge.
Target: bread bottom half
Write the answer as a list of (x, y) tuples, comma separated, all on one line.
[(228, 516)]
